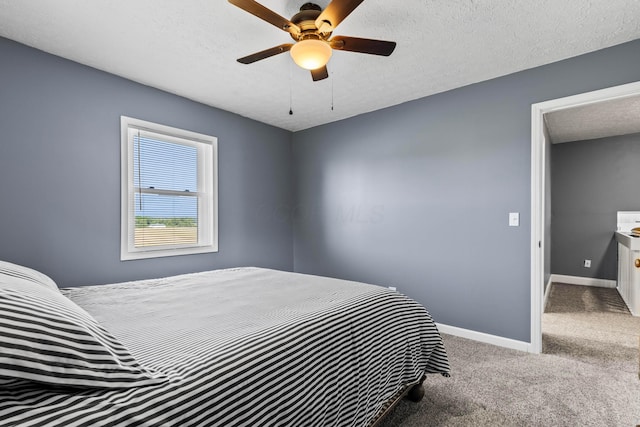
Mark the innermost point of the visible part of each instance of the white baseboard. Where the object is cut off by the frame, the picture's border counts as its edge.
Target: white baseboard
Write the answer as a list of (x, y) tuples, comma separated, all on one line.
[(485, 338), (584, 281), (522, 345)]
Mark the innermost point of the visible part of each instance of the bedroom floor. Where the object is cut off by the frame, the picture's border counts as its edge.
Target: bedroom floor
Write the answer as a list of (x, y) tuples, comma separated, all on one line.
[(587, 376), (592, 325)]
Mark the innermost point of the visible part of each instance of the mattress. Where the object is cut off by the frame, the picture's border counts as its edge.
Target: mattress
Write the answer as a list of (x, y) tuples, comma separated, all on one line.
[(244, 347)]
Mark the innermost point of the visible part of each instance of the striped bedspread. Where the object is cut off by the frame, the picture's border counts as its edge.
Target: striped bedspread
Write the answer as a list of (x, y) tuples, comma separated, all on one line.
[(245, 347)]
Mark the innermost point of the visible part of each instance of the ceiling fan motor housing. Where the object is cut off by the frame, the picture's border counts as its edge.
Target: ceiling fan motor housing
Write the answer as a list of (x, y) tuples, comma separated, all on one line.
[(310, 6), (306, 20)]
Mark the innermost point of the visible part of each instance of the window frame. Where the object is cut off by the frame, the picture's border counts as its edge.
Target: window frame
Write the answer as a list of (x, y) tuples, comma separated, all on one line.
[(207, 161)]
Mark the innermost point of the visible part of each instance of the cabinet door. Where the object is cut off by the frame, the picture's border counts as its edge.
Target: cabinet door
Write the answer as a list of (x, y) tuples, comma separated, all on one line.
[(624, 276), (634, 283), (623, 273)]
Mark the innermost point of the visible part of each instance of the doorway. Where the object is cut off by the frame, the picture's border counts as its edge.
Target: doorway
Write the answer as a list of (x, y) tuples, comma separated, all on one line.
[(540, 191)]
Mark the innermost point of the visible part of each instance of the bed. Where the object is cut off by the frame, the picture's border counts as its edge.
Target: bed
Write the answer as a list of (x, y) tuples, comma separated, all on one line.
[(233, 347)]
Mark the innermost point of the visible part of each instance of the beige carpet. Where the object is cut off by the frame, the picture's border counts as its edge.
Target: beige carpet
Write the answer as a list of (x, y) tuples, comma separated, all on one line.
[(591, 324), (583, 382)]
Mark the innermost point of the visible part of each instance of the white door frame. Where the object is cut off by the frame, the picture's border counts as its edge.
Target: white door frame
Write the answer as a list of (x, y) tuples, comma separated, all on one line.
[(538, 168)]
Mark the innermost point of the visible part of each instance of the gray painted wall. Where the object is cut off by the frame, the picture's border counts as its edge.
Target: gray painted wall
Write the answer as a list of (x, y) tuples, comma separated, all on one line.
[(417, 196), (592, 180), (60, 173)]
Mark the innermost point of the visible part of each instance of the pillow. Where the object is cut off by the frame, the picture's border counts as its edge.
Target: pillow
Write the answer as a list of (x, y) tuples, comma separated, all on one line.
[(16, 273), (46, 338)]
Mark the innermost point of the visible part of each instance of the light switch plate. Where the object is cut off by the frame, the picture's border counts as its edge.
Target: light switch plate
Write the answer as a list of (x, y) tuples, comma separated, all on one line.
[(514, 219)]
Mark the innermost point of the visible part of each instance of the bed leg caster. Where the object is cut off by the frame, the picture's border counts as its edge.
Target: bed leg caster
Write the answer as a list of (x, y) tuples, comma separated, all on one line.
[(416, 393)]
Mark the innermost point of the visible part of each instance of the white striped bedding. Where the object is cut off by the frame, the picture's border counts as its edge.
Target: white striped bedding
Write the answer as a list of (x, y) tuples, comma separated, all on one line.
[(244, 347)]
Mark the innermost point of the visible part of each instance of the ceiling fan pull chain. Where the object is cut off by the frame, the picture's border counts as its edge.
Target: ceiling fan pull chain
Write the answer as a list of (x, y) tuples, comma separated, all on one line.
[(332, 91), (290, 90)]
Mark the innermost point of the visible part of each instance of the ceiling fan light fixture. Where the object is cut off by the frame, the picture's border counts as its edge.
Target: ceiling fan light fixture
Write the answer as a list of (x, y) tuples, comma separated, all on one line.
[(311, 54)]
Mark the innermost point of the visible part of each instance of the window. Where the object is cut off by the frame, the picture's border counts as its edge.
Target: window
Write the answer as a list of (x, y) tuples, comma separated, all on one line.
[(169, 191)]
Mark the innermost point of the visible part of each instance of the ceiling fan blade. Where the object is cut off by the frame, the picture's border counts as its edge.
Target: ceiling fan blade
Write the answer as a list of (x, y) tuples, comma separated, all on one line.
[(265, 53), (334, 13), (355, 44), (319, 74), (266, 14)]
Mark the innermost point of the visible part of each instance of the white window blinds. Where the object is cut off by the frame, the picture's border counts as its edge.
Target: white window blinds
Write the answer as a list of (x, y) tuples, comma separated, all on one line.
[(165, 183), (170, 193)]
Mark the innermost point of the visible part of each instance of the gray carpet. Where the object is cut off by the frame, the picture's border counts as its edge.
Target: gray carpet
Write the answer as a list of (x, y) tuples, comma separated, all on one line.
[(579, 382), (592, 325)]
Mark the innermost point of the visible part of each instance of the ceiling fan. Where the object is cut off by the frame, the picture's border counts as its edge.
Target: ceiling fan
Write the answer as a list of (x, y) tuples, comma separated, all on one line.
[(311, 29)]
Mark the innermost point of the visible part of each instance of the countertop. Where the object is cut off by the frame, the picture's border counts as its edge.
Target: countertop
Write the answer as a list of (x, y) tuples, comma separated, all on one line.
[(627, 239)]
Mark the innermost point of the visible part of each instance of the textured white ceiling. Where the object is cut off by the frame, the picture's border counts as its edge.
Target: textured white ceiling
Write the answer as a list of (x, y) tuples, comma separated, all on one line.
[(190, 47), (598, 120)]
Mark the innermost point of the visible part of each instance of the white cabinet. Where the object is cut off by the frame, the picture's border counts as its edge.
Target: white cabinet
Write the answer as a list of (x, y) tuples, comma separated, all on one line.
[(629, 277)]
